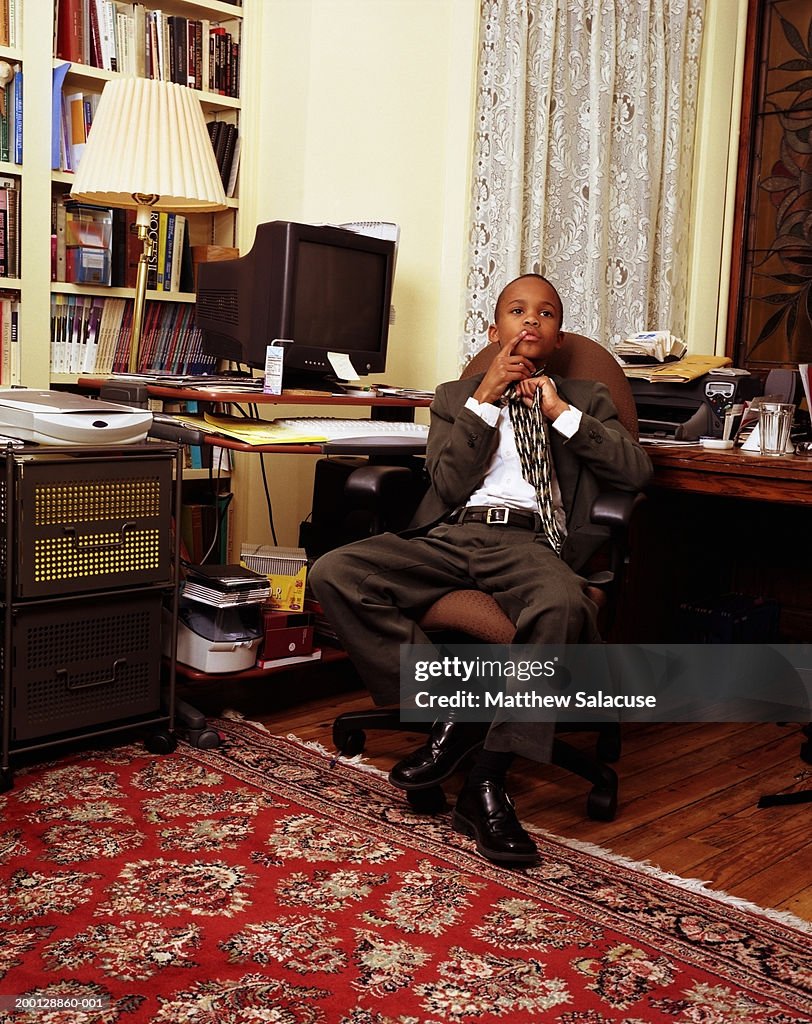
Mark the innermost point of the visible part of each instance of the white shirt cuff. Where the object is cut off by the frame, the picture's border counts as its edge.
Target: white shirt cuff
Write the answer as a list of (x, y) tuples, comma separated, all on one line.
[(568, 422), (487, 412)]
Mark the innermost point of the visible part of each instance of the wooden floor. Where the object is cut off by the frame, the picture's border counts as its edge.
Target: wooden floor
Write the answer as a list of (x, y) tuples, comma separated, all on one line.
[(688, 796)]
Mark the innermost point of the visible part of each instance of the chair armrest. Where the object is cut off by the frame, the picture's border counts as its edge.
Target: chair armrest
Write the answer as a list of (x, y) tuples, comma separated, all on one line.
[(615, 508)]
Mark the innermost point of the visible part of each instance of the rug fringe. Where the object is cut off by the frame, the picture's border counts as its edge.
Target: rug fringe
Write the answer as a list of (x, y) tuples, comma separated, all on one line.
[(695, 885), (357, 760), (237, 716)]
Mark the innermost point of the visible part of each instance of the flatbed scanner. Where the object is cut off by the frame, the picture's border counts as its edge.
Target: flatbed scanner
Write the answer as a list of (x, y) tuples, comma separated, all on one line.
[(692, 409), (62, 418)]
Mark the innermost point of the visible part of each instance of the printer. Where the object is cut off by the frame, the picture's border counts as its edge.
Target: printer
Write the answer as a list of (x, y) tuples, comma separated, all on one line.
[(685, 411)]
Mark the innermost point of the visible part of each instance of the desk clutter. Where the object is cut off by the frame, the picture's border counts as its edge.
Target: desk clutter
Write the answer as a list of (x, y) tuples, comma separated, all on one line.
[(236, 617), (725, 408)]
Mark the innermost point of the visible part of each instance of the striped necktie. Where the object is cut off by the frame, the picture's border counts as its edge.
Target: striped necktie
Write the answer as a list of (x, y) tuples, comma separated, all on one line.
[(532, 444)]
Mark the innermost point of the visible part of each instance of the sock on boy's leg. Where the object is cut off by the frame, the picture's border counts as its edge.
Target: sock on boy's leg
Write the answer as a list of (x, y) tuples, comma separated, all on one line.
[(492, 765)]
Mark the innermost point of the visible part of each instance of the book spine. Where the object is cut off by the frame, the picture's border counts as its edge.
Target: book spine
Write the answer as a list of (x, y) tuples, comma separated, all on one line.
[(18, 114), (96, 55), (152, 269), (70, 31)]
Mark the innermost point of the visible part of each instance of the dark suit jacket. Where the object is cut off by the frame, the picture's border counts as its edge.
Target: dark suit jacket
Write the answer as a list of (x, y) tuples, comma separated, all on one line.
[(600, 456)]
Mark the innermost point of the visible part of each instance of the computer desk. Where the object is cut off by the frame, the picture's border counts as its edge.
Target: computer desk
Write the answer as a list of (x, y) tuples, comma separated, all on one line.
[(715, 521), (721, 522), (387, 408)]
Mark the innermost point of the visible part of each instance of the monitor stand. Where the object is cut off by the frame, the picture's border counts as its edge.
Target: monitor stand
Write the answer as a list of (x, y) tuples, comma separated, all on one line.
[(302, 380)]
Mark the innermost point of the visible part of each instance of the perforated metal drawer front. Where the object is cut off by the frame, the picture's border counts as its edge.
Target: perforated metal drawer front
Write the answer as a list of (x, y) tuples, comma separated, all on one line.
[(78, 664), (87, 526)]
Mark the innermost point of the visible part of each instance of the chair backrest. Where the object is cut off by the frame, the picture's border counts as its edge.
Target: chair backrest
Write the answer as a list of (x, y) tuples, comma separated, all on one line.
[(580, 358)]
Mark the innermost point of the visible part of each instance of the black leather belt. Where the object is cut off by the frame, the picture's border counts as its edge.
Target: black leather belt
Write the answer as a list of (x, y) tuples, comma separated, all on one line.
[(497, 515)]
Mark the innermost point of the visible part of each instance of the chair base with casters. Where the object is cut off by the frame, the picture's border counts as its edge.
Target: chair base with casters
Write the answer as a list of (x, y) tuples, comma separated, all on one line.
[(349, 737)]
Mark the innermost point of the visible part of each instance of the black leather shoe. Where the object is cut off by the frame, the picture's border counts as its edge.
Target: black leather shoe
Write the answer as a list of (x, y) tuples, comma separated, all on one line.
[(448, 745), (485, 812)]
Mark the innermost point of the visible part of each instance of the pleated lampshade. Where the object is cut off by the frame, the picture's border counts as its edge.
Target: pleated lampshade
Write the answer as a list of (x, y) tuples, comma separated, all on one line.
[(148, 146)]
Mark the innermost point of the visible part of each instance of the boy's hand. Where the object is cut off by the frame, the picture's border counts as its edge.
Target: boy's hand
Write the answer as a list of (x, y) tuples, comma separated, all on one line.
[(552, 405), (506, 368)]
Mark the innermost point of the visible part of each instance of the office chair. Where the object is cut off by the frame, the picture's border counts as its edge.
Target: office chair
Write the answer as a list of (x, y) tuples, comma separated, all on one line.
[(389, 494)]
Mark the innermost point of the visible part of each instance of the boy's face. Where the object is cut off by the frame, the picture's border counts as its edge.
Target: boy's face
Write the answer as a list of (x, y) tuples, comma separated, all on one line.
[(529, 309)]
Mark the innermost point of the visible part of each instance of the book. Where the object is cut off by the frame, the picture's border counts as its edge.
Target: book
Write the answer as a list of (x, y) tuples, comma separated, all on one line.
[(18, 114), (226, 577), (77, 135), (296, 659), (70, 33), (225, 599)]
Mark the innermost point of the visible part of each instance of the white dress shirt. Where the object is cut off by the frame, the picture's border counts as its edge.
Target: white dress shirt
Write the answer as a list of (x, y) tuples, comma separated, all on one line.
[(503, 483)]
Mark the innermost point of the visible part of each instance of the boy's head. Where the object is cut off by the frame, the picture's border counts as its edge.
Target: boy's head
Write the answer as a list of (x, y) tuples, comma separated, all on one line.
[(530, 309)]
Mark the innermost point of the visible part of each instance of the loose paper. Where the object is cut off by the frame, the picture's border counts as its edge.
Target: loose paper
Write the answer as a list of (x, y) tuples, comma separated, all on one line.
[(342, 366)]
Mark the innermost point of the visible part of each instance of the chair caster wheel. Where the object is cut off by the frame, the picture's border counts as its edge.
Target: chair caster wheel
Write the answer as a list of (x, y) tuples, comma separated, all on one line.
[(349, 743), (427, 801), (6, 780), (204, 739), (601, 804), (163, 742)]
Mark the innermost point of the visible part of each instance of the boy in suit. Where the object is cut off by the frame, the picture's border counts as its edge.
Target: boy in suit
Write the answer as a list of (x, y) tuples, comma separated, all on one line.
[(515, 459)]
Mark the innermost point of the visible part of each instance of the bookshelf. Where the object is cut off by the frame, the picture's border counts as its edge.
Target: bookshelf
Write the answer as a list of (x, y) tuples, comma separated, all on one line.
[(34, 52)]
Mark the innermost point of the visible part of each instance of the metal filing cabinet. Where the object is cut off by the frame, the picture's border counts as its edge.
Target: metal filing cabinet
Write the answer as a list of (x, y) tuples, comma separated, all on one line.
[(86, 560)]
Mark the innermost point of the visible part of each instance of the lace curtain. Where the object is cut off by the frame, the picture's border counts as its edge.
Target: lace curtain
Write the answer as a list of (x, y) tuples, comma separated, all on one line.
[(582, 160)]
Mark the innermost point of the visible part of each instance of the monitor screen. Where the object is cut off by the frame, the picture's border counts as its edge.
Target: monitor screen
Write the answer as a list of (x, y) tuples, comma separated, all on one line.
[(339, 296), (324, 289)]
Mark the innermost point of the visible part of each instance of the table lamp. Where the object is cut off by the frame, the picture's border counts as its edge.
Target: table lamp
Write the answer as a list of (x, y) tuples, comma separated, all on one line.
[(148, 149)]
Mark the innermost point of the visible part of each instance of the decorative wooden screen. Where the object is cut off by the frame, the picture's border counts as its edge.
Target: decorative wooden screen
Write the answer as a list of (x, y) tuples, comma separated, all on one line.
[(770, 313)]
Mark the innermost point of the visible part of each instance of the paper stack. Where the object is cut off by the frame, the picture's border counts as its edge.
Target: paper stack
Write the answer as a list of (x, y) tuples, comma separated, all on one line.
[(650, 347)]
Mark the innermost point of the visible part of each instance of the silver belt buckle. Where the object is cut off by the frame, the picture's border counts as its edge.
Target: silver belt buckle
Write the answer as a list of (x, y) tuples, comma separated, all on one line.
[(497, 516)]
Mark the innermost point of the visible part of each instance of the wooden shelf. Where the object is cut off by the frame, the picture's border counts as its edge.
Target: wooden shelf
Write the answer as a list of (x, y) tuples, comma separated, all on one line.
[(65, 288)]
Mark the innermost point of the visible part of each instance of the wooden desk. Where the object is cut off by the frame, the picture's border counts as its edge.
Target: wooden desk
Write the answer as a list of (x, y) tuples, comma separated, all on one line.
[(733, 474), (258, 397), (385, 408), (721, 522)]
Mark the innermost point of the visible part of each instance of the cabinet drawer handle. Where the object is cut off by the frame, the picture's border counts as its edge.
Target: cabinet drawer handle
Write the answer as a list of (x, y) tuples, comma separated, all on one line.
[(70, 531), (63, 676)]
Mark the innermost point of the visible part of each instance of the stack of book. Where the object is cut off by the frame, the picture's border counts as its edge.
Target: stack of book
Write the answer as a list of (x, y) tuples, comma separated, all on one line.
[(133, 40), (225, 141), (222, 586)]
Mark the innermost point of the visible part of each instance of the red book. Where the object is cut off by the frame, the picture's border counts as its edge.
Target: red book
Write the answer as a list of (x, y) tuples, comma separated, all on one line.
[(70, 32)]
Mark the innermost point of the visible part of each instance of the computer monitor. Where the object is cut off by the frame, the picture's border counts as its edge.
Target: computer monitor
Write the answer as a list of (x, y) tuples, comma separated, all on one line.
[(325, 289)]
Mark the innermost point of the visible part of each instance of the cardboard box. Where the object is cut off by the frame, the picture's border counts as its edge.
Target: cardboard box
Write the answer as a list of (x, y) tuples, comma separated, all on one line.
[(286, 568)]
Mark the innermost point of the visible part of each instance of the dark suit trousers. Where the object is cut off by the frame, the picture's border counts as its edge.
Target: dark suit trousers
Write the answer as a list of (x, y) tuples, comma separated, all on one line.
[(375, 590)]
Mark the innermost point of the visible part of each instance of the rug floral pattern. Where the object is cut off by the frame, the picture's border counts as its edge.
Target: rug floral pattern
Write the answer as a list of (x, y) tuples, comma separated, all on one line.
[(263, 882)]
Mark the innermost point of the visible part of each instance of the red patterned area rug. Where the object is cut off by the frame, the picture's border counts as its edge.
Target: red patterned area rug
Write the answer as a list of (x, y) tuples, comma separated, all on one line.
[(261, 882)]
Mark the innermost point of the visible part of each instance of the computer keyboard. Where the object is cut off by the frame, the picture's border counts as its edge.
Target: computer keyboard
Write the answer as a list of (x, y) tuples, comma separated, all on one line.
[(335, 429)]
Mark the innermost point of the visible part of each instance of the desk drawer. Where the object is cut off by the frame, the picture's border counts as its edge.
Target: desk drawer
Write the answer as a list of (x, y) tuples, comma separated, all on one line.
[(78, 664), (89, 525)]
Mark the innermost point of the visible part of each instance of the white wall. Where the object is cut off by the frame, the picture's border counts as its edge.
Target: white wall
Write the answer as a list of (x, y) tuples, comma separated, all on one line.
[(717, 145), (365, 112)]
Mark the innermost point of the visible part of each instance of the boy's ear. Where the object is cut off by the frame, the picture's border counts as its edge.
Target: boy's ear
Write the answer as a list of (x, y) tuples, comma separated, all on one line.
[(493, 334), (559, 341)]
